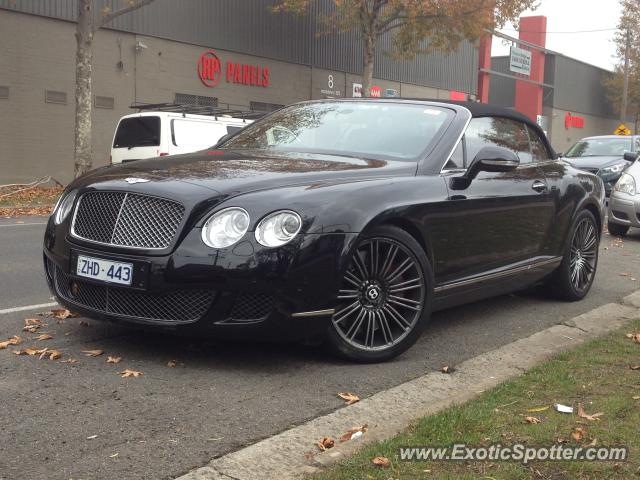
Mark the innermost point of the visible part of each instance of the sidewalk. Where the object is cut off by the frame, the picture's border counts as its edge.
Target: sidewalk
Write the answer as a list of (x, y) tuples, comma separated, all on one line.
[(294, 454)]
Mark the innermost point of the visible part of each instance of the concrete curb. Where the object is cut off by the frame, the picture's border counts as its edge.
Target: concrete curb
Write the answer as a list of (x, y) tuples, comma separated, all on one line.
[(285, 456)]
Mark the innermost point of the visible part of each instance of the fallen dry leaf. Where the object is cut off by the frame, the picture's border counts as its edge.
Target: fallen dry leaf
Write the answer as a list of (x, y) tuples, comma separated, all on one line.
[(634, 367), (447, 369), (578, 434), (31, 328), (350, 398), (325, 443), (533, 420), (53, 354), (27, 351), (624, 274), (353, 432), (93, 353), (636, 397), (130, 373), (33, 322), (44, 336), (62, 313), (383, 462), (592, 443), (15, 340), (70, 361), (634, 336), (172, 364), (113, 359), (583, 414)]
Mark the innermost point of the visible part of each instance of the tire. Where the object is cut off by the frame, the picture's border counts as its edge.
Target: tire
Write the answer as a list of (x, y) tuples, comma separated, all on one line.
[(573, 279), (384, 301), (617, 230)]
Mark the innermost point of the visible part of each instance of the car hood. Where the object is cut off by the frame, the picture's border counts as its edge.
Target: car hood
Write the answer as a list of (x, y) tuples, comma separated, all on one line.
[(594, 162), (233, 172)]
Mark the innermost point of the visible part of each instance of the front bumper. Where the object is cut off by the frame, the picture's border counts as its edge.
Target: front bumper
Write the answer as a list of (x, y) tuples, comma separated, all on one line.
[(244, 291), (624, 209)]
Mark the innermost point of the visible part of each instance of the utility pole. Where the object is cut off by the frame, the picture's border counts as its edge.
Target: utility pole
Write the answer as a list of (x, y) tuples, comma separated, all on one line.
[(625, 89)]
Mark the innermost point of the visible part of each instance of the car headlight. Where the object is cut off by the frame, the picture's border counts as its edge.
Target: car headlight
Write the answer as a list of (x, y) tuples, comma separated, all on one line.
[(626, 184), (278, 228), (63, 207), (618, 167), (226, 227)]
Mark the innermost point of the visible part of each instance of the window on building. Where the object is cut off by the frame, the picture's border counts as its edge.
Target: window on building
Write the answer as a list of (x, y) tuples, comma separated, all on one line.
[(53, 96), (4, 92), (538, 148), (496, 131), (264, 107), (195, 100), (194, 133), (104, 102)]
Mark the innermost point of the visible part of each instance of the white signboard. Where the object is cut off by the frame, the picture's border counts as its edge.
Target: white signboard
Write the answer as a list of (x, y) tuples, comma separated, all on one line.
[(520, 61), (357, 90)]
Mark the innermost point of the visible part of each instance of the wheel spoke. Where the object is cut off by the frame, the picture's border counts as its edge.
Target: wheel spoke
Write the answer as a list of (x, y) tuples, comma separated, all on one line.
[(381, 295), (347, 294)]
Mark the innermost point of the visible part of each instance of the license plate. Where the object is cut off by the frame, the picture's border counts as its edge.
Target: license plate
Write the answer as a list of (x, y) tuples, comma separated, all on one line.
[(105, 270)]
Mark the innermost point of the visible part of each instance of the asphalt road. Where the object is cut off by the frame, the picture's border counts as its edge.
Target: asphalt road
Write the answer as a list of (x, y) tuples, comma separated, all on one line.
[(84, 421)]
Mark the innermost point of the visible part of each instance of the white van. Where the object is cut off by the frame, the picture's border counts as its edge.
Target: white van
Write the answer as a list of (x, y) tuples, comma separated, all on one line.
[(156, 134)]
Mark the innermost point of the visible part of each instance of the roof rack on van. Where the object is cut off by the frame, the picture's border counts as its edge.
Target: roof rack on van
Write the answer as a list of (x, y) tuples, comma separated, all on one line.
[(219, 111)]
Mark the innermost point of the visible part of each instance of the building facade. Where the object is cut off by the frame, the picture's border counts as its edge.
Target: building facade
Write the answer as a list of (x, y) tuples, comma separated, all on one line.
[(165, 52), (574, 100)]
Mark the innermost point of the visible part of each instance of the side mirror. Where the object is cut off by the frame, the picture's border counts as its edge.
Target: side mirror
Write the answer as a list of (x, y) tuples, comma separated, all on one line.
[(223, 139), (488, 159), (630, 156)]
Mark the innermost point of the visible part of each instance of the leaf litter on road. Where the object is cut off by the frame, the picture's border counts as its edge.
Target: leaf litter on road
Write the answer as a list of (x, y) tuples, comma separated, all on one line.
[(353, 433), (130, 373), (350, 398), (44, 336), (111, 359), (383, 462), (93, 353), (15, 340), (583, 414), (325, 443)]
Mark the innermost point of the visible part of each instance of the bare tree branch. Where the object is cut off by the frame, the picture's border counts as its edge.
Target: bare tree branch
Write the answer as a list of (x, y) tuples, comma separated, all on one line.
[(133, 6)]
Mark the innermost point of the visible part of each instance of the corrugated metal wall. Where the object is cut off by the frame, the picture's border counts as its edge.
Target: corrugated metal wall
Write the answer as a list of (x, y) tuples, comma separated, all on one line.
[(247, 26), (502, 90), (578, 87)]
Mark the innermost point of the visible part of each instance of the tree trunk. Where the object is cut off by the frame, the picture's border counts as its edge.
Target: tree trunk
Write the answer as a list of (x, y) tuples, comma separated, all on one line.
[(83, 153), (367, 71)]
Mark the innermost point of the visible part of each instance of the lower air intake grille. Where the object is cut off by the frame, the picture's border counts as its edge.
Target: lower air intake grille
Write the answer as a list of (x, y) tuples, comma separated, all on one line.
[(177, 306), (251, 307)]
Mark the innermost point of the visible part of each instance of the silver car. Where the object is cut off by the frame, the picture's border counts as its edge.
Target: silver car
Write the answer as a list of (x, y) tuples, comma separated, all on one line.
[(624, 203)]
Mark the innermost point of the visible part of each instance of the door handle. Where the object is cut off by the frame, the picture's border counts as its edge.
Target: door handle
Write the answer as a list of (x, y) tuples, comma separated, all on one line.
[(539, 186)]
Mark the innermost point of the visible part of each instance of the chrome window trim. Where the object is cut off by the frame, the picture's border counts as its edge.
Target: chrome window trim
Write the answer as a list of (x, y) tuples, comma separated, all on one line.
[(455, 145)]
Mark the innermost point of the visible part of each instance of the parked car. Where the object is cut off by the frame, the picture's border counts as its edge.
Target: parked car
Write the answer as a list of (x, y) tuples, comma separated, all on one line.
[(624, 204), (158, 134), (607, 156), (347, 219)]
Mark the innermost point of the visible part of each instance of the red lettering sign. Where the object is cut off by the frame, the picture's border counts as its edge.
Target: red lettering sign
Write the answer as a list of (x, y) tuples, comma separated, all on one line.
[(210, 72), (573, 121), (375, 91)]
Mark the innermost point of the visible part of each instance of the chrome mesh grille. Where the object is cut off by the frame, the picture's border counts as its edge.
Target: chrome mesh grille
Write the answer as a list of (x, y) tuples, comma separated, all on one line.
[(177, 306), (252, 306), (127, 219)]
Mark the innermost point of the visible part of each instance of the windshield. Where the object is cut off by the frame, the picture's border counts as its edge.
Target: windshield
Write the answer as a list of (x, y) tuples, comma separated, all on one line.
[(594, 147), (362, 129), (138, 132)]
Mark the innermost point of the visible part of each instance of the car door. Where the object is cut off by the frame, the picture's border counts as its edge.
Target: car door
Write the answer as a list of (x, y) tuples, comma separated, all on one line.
[(502, 218)]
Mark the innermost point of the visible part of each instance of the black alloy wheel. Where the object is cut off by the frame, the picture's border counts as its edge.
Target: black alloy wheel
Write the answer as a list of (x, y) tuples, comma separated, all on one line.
[(574, 277), (384, 300)]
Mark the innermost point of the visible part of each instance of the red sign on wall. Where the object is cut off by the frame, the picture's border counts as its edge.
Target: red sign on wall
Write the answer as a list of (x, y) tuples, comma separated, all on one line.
[(210, 71), (375, 91), (573, 121)]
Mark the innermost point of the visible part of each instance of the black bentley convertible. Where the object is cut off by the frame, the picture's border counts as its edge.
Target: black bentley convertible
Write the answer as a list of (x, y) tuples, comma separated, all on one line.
[(349, 219)]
